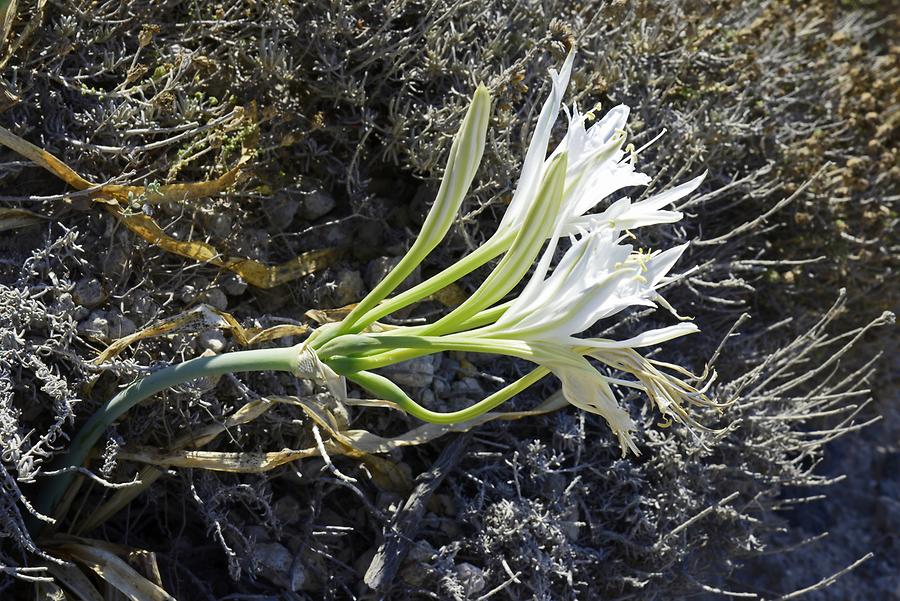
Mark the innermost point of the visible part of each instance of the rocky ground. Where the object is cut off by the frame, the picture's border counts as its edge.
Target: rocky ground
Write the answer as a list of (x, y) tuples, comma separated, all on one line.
[(322, 129)]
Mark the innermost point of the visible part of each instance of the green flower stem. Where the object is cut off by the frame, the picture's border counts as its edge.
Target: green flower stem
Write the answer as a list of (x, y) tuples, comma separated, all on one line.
[(484, 318), (53, 489), (386, 389), (343, 354), (491, 249), (515, 263)]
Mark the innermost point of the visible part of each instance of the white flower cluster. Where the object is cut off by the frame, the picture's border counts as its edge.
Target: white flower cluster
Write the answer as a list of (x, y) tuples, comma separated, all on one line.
[(599, 276)]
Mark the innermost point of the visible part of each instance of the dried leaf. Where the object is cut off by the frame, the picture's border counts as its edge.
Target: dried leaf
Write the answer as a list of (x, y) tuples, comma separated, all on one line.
[(323, 316), (207, 317), (148, 475), (7, 15), (450, 296), (354, 443), (114, 197), (115, 571), (11, 219), (75, 581), (246, 462), (254, 273)]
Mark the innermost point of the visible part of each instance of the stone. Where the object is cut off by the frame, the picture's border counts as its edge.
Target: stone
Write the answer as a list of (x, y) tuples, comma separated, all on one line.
[(379, 267), (120, 326), (217, 224), (348, 288), (280, 210), (287, 510), (279, 566), (89, 293), (425, 397), (116, 261), (233, 284), (212, 340), (188, 294), (415, 373), (95, 326), (469, 387), (471, 577), (143, 307), (316, 204), (216, 298), (252, 244)]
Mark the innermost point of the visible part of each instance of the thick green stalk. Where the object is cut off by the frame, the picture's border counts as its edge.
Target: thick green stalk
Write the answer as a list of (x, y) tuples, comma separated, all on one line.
[(350, 354), (386, 389), (53, 489)]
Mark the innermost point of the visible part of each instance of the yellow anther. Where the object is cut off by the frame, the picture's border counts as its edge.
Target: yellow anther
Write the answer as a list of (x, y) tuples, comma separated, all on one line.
[(631, 151)]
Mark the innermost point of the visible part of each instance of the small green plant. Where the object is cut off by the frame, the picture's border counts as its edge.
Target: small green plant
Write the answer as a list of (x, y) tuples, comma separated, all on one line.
[(598, 276)]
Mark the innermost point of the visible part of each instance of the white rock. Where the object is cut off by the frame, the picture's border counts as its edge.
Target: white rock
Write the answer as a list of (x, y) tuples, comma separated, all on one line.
[(212, 340), (216, 298), (279, 566)]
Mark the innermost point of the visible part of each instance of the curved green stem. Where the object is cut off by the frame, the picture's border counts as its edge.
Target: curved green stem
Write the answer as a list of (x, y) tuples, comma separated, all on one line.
[(363, 353), (52, 491), (386, 389)]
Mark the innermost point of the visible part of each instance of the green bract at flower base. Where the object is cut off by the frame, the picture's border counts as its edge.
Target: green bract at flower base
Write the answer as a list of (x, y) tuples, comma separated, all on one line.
[(465, 157)]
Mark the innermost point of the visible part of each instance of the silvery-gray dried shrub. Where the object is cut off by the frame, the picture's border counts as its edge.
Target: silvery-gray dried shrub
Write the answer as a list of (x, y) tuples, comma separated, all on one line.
[(357, 102)]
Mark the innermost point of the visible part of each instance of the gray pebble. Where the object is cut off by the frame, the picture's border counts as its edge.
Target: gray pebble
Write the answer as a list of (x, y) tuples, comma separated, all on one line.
[(416, 373), (216, 298), (89, 293), (316, 204)]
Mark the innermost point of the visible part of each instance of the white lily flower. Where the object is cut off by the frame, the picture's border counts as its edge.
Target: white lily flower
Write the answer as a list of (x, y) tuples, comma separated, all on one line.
[(596, 169), (596, 278)]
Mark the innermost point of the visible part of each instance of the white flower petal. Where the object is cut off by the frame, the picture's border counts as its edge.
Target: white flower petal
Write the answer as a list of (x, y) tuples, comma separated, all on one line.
[(585, 388), (534, 164), (648, 338)]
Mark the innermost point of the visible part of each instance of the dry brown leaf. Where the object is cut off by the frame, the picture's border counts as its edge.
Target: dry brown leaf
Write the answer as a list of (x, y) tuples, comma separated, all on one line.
[(254, 273), (323, 316), (115, 198), (354, 443), (149, 475), (75, 581), (7, 15), (114, 571), (207, 317), (11, 219), (450, 296), (245, 462)]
